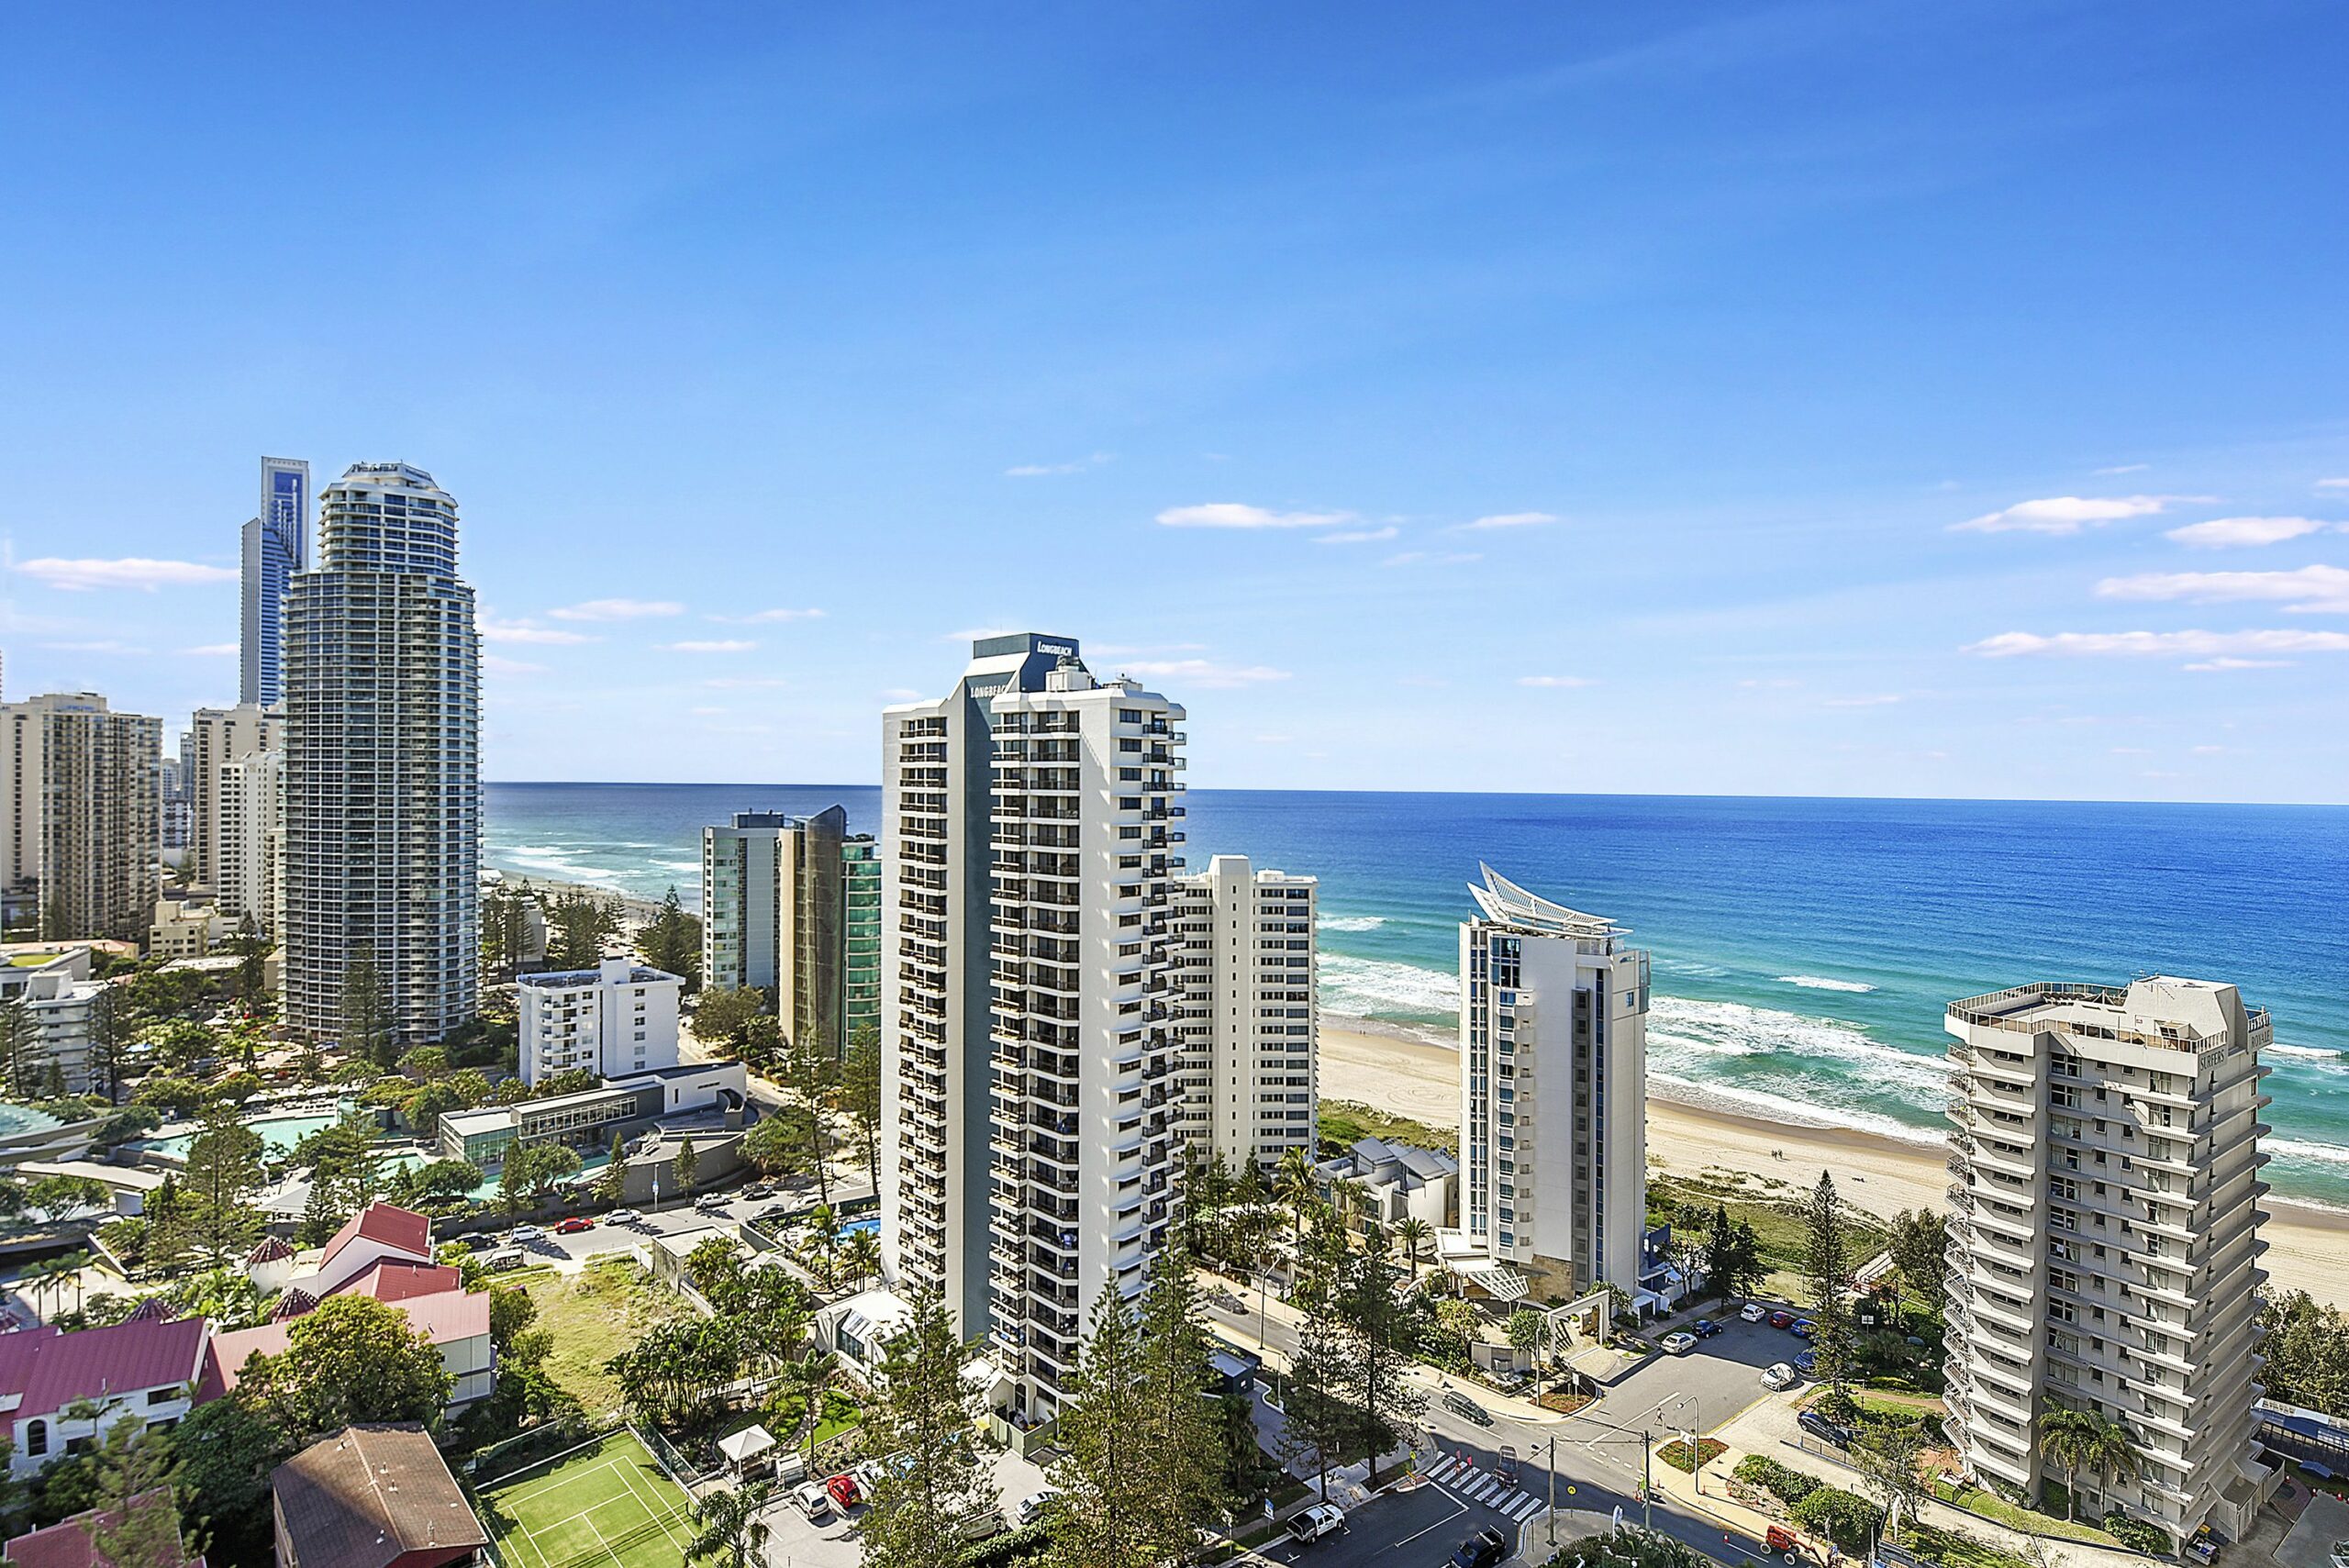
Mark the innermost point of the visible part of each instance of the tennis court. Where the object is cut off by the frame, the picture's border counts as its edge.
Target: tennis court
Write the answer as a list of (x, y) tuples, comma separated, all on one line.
[(604, 1505)]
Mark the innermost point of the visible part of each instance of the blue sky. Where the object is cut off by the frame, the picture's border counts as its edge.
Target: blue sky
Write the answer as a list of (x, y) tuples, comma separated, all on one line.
[(1807, 398)]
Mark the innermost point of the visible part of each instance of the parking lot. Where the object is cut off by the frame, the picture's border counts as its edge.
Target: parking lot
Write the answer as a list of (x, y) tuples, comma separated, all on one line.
[(1706, 1386), (674, 1218)]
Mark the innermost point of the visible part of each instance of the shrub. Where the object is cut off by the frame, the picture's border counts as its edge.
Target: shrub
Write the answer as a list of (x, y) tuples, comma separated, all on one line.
[(2136, 1534), (1848, 1520), (1788, 1485)]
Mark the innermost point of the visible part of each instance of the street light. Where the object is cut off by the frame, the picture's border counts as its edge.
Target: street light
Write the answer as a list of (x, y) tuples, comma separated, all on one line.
[(1688, 1435)]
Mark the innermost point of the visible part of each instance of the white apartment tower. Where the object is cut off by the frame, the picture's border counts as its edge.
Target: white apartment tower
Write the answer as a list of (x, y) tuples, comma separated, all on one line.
[(1554, 1007), (275, 544), (2104, 1239), (383, 786), (615, 1020), (1028, 1150), (219, 738), (81, 815), (250, 857), (1244, 952)]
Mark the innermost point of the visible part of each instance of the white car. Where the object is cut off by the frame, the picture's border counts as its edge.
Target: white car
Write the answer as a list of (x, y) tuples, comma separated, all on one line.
[(1316, 1522), (623, 1217), (1780, 1375), (2341, 1554), (1753, 1312), (522, 1233), (813, 1500), (1032, 1507), (1679, 1344)]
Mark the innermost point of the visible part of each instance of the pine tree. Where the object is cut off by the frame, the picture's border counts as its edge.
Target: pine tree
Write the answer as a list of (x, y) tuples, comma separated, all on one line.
[(212, 1214), (673, 943), (688, 1163), (1827, 1267), (367, 1031), (1377, 1346), (928, 1413), (611, 1182), (1185, 1440), (1106, 1466)]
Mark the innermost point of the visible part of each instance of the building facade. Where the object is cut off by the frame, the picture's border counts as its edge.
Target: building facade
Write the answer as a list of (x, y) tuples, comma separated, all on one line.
[(249, 859), (615, 1020), (383, 778), (52, 1055), (1244, 952), (1028, 1140), (1553, 1087), (792, 905), (276, 544), (81, 815), (2104, 1239), (220, 738)]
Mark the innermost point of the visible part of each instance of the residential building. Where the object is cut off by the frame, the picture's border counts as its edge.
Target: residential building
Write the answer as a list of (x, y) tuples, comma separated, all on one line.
[(587, 1120), (792, 905), (1554, 1008), (220, 738), (383, 778), (1244, 954), (186, 928), (63, 1393), (615, 1020), (1029, 1142), (373, 1496), (1395, 1181), (73, 1541), (276, 543), (60, 1002), (249, 859), (2104, 1240), (80, 826)]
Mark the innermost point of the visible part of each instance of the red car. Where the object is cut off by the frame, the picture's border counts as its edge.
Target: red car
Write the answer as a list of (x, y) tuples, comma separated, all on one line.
[(1782, 1320), (843, 1491), (574, 1225)]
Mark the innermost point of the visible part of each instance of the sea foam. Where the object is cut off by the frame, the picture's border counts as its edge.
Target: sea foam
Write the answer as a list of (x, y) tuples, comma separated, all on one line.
[(1823, 983)]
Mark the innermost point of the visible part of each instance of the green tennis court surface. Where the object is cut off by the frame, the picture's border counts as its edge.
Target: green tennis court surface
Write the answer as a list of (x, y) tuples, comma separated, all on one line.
[(604, 1506)]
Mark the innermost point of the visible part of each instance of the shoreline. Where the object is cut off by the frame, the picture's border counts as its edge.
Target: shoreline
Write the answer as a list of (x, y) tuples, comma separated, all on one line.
[(1404, 1074)]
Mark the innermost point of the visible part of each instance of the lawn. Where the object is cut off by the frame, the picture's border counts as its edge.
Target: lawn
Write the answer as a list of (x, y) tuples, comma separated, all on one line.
[(1676, 1452), (1955, 1549), (1991, 1505), (594, 1314), (604, 1505), (1346, 1122), (1774, 1210)]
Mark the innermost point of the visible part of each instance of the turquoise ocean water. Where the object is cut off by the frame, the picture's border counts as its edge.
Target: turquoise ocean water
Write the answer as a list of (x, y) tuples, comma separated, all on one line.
[(1804, 949)]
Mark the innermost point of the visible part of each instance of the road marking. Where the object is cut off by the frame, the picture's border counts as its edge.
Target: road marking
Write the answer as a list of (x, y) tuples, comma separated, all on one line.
[(1458, 1509)]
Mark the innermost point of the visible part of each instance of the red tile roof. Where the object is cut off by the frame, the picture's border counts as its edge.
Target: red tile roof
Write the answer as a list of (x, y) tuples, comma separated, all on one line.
[(271, 1250), (293, 1303), (67, 1544), (449, 1316), (403, 1228), (396, 1279), (51, 1368), (370, 1496)]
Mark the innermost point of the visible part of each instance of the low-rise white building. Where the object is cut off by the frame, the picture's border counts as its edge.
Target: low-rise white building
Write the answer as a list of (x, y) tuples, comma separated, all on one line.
[(616, 1021), (182, 928), (1397, 1181), (59, 996)]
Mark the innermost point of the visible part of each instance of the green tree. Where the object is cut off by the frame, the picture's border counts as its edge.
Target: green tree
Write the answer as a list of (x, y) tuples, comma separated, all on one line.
[(611, 1182), (580, 924), (809, 1067), (21, 1058), (858, 1095), (531, 1173), (1415, 1236), (1527, 1330), (367, 1024), (1104, 1468), (1887, 1459), (729, 1526), (776, 1143), (350, 1358), (1296, 1184), (227, 1447), (1184, 1446), (929, 1414), (1827, 1269), (113, 1025), (1918, 1245), (673, 943), (2063, 1435), (213, 1215), (1732, 1257), (1378, 1344), (252, 955), (687, 1163), (799, 1393), (60, 1197), (135, 1517), (676, 1370), (2110, 1449), (2306, 1352), (724, 1017), (1316, 1421)]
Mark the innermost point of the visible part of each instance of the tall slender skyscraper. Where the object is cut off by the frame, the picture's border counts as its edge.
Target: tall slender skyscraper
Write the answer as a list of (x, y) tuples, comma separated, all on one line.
[(382, 777), (276, 546), (1029, 1138)]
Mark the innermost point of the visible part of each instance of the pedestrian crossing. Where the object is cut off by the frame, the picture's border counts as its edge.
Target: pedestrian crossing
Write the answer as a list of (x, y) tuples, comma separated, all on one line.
[(1475, 1484)]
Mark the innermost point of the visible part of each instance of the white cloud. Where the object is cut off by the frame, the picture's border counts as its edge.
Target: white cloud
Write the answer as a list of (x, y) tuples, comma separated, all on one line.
[(709, 712), (2340, 484), (211, 651), (2308, 590), (103, 645), (1358, 536), (2065, 514), (497, 666), (1044, 470), (1432, 558), (1881, 700), (760, 618), (2212, 645), (2208, 666), (1203, 673), (131, 571), (2229, 533), (1557, 681), (711, 645), (1508, 520), (2121, 468), (900, 694), (978, 633), (745, 682), (1235, 515), (619, 609), (2210, 750), (524, 631), (1776, 683)]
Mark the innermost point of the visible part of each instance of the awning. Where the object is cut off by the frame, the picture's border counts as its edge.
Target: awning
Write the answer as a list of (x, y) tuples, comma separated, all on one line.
[(740, 1448)]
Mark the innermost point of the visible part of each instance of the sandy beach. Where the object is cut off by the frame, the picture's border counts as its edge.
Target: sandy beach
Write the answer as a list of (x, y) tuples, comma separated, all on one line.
[(2307, 1248)]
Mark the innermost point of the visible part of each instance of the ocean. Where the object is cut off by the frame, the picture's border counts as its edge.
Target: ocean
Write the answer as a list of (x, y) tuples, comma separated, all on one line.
[(1804, 949)]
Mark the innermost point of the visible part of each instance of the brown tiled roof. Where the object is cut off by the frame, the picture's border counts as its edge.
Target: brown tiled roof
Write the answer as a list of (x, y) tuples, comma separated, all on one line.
[(403, 1228), (369, 1495), (271, 1250)]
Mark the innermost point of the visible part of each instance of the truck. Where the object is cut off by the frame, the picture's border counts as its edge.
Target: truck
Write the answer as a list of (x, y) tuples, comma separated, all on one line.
[(1316, 1522)]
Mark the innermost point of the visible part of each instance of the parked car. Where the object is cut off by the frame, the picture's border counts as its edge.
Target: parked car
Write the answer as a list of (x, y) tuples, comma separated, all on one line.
[(1802, 1327), (1224, 1301), (1315, 1522), (623, 1217), (814, 1499), (2341, 1554), (1754, 1312), (759, 1190), (1467, 1410), (1819, 1427), (1032, 1507), (712, 1200), (574, 1225), (1484, 1549), (1780, 1375), (1782, 1318), (1807, 1362), (522, 1235), (1704, 1327), (1679, 1344), (844, 1492)]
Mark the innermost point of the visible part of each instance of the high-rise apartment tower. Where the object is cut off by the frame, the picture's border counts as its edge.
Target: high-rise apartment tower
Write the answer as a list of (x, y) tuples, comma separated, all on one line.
[(222, 736), (2104, 1240), (1244, 952), (793, 904), (81, 815), (1029, 1142), (383, 786), (276, 544)]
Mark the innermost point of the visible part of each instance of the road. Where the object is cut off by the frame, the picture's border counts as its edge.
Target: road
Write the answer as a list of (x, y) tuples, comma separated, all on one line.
[(1598, 1454)]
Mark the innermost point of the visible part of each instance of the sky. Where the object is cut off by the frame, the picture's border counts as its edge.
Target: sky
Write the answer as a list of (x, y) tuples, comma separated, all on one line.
[(1809, 399)]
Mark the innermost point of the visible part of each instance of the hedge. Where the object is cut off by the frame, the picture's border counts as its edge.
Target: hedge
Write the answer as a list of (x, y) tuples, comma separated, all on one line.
[(1788, 1485), (1848, 1520), (2136, 1534)]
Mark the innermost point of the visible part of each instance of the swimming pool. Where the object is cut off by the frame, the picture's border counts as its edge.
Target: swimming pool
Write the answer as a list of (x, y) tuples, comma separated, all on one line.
[(279, 1134)]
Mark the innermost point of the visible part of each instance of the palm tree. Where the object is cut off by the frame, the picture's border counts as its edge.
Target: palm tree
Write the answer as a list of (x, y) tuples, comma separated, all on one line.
[(1414, 1233), (731, 1528), (2064, 1438), (1296, 1184), (860, 1255), (804, 1383), (2110, 1450)]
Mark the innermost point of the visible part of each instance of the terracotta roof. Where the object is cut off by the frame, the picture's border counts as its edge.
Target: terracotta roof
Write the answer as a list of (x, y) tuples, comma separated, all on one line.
[(396, 1279), (293, 1303), (272, 1249), (448, 1318), (151, 1309), (67, 1544), (51, 1368), (371, 1496), (403, 1228)]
